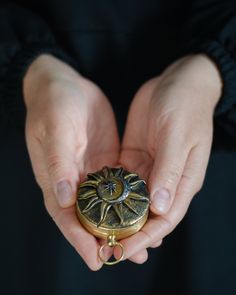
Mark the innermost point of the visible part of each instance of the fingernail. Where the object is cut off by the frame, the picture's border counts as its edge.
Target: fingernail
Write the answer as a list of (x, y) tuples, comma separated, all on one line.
[(64, 193), (161, 200)]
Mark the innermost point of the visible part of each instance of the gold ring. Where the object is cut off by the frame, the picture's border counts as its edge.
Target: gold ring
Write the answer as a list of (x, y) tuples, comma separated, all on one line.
[(113, 245)]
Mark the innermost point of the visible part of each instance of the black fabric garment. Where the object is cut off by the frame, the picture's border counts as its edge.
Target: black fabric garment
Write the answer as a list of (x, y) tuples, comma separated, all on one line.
[(118, 45), (197, 258)]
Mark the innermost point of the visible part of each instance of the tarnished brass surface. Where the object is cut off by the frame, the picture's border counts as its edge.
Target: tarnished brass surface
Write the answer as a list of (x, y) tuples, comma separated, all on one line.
[(112, 202)]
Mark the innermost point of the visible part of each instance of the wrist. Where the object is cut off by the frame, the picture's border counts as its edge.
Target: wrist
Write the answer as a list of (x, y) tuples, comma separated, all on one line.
[(43, 71), (197, 73), (213, 80)]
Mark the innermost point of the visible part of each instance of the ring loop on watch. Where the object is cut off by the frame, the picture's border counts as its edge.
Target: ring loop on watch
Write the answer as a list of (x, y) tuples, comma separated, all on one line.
[(115, 244)]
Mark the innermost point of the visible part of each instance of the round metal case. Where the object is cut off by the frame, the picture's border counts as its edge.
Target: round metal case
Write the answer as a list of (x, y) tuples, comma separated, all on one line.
[(112, 204)]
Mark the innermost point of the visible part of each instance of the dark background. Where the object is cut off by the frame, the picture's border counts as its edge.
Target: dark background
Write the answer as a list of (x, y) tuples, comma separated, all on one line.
[(119, 49), (197, 258)]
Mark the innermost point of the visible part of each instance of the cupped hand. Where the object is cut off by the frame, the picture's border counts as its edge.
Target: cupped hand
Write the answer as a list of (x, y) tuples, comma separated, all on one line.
[(167, 141), (70, 131)]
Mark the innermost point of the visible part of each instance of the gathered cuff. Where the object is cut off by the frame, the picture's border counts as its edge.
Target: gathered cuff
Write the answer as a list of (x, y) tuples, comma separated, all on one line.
[(12, 106), (226, 65)]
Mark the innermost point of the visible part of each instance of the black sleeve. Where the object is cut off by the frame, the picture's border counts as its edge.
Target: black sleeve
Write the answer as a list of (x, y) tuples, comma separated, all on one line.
[(211, 29), (23, 37)]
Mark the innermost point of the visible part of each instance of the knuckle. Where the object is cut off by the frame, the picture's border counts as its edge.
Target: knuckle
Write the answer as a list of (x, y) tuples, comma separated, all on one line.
[(150, 237), (46, 126), (170, 176), (35, 129), (52, 127), (167, 225), (55, 128), (54, 164)]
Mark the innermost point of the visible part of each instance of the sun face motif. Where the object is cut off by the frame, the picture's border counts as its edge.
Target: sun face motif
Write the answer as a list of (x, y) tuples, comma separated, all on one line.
[(112, 189)]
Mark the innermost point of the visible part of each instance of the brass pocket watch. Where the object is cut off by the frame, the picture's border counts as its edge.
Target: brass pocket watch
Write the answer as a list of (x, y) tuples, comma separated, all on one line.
[(112, 204)]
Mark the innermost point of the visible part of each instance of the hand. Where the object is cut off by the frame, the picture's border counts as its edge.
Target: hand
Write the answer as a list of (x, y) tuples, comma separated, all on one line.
[(167, 141), (70, 131)]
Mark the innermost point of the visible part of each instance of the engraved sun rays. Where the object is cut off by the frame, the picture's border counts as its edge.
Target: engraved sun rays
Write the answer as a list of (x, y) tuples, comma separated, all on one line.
[(111, 182)]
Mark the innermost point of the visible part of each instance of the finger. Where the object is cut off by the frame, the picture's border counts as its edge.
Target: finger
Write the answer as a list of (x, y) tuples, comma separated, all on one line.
[(157, 227), (85, 244), (167, 169), (61, 152), (156, 244), (140, 257)]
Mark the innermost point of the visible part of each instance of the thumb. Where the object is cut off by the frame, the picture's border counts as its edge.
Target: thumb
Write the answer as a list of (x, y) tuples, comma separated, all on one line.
[(166, 173), (60, 157)]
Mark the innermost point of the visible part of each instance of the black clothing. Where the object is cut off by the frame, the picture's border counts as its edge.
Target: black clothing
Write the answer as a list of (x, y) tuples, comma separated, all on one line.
[(119, 45)]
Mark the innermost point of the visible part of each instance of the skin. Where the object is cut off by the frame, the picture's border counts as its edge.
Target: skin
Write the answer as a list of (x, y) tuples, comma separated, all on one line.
[(167, 141), (170, 146), (67, 136)]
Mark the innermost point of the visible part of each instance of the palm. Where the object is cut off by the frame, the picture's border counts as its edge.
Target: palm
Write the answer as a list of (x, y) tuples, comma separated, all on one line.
[(70, 131), (138, 154), (137, 145), (103, 145), (80, 137)]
